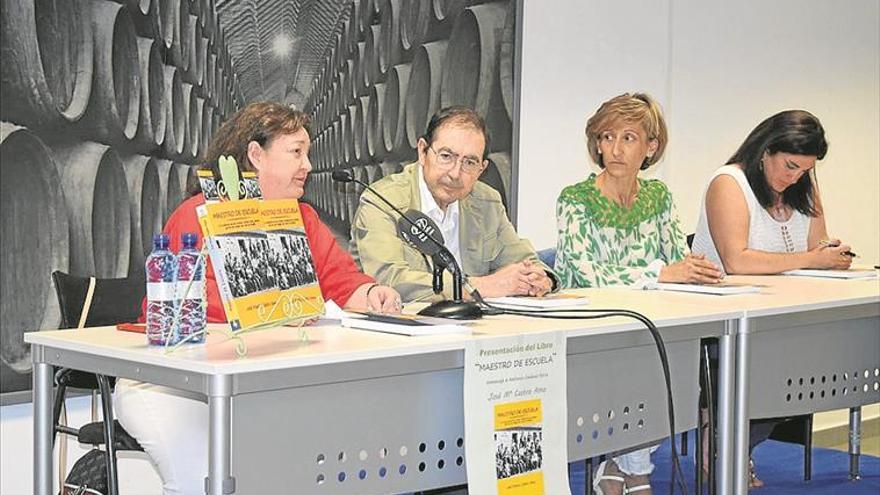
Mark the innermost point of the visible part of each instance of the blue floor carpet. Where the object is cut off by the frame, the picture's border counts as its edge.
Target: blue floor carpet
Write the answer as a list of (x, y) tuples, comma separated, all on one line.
[(779, 465)]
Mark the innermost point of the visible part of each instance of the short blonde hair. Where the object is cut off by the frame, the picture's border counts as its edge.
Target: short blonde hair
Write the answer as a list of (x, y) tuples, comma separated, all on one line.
[(629, 108)]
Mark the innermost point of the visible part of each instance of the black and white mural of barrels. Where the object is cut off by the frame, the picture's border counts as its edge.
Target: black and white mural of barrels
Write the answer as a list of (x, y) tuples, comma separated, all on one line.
[(36, 241), (390, 64), (98, 98), (109, 105)]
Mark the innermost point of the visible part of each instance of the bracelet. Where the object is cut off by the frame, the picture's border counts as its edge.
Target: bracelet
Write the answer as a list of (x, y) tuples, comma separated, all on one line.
[(370, 289)]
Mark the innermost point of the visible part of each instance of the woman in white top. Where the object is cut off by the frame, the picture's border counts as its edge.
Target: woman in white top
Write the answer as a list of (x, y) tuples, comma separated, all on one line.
[(762, 214)]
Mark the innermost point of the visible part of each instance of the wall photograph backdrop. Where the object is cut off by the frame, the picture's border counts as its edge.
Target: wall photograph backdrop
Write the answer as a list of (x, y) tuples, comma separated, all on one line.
[(108, 105)]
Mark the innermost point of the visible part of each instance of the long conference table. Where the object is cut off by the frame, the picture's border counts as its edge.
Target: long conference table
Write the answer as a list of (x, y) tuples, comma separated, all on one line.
[(350, 411)]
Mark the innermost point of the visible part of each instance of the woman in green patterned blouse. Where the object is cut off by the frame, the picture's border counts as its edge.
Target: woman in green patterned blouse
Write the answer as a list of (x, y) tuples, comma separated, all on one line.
[(618, 229)]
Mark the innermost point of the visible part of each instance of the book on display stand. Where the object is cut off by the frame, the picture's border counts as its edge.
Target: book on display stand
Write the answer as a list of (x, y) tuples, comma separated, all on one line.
[(258, 251)]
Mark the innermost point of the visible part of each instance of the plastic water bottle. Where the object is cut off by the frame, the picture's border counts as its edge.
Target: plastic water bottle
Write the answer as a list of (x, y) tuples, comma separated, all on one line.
[(160, 292), (192, 301)]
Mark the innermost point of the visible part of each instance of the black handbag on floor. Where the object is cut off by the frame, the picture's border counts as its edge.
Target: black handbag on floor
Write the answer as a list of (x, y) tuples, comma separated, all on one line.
[(88, 476)]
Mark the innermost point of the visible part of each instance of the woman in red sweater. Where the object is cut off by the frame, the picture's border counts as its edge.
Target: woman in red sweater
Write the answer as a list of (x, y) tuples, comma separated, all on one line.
[(273, 141)]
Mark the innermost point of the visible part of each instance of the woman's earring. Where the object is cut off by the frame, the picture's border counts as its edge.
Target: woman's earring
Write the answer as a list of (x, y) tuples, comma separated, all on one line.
[(761, 165)]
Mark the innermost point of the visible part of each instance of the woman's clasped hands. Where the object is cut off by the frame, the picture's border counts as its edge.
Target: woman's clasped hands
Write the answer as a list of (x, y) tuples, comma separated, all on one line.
[(693, 269)]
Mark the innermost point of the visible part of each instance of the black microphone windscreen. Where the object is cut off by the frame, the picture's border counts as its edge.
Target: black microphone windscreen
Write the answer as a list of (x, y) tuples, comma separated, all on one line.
[(421, 219), (426, 223), (342, 176), (425, 235)]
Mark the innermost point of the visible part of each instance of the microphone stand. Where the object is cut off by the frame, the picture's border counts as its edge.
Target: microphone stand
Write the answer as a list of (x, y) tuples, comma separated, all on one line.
[(457, 308), (437, 281)]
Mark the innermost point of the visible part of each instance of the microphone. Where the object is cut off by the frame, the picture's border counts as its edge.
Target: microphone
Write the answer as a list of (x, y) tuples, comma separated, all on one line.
[(424, 240), (419, 238), (419, 230), (342, 176), (420, 233)]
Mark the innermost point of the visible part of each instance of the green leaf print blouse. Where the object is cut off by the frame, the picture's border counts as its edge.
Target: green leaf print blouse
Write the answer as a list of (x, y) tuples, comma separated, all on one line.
[(601, 243)]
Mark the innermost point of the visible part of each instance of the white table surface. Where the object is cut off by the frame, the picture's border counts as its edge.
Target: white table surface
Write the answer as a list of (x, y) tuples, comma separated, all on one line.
[(329, 343)]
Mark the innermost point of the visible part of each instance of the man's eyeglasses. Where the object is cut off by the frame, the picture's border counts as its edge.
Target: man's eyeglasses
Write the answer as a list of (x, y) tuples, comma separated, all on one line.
[(447, 159)]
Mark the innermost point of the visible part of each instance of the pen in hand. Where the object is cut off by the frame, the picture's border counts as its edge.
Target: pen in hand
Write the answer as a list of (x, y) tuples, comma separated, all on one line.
[(827, 243)]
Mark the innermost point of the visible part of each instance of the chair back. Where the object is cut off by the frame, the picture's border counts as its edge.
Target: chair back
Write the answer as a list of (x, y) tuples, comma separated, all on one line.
[(547, 256), (115, 300)]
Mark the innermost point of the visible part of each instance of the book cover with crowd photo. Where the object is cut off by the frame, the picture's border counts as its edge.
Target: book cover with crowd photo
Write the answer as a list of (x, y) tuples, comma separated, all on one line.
[(261, 258)]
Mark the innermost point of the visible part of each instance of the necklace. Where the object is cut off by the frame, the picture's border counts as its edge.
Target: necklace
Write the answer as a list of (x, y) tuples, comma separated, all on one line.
[(779, 210)]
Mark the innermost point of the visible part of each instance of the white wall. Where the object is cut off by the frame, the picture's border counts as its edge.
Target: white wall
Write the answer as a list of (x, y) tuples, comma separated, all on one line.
[(576, 54), (717, 68)]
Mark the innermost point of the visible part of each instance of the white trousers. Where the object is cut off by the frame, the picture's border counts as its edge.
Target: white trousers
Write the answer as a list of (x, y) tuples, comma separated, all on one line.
[(637, 462), (172, 427)]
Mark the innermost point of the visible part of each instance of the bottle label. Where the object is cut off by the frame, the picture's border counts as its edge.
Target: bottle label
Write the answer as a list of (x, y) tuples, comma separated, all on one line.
[(196, 290), (160, 291)]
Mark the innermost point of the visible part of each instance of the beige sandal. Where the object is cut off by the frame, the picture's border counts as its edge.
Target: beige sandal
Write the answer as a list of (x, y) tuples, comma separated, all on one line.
[(754, 481), (614, 475), (642, 484)]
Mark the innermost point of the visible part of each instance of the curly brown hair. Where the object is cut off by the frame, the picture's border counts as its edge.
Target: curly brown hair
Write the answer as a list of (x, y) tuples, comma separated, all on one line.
[(261, 122)]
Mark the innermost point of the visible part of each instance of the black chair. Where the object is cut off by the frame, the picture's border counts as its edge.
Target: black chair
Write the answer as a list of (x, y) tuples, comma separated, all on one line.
[(113, 301), (798, 429), (548, 257)]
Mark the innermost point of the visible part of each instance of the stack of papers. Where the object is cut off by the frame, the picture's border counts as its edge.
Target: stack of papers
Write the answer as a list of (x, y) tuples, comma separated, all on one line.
[(404, 324), (851, 273), (720, 289), (550, 301)]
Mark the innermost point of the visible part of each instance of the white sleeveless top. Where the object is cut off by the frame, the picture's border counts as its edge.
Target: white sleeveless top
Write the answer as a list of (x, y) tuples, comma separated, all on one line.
[(765, 232)]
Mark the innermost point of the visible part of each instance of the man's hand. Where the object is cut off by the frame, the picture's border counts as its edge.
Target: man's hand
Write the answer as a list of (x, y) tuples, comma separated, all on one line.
[(526, 278), (512, 280), (539, 282)]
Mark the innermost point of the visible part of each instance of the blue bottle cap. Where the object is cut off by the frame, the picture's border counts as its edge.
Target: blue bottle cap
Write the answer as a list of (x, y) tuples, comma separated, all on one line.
[(189, 239), (161, 241)]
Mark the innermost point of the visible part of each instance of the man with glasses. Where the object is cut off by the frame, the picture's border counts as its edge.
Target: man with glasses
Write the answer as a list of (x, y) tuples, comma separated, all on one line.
[(444, 185)]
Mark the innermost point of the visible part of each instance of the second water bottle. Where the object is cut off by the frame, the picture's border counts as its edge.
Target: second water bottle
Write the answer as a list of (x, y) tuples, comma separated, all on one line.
[(191, 290)]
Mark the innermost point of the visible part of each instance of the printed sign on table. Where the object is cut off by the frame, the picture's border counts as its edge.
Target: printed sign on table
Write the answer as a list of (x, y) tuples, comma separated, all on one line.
[(515, 426)]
